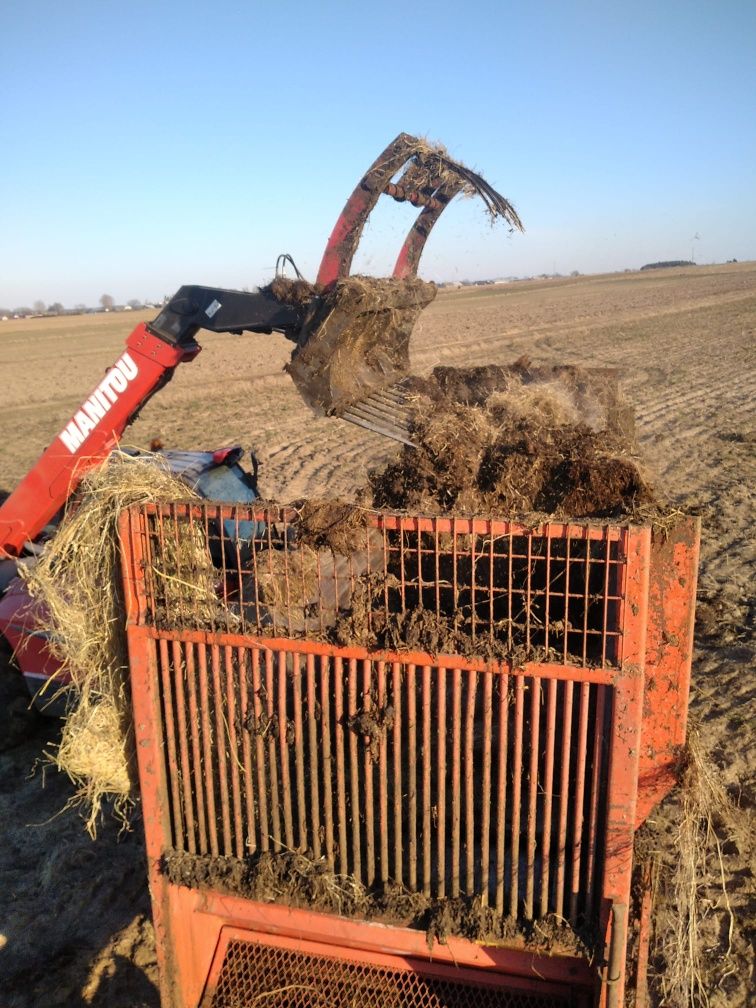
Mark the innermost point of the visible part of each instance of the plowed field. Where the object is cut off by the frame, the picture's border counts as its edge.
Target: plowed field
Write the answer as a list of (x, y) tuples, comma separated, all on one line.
[(74, 915)]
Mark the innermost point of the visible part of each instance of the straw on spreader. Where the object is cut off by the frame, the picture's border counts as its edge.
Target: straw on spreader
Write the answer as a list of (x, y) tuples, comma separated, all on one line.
[(77, 582)]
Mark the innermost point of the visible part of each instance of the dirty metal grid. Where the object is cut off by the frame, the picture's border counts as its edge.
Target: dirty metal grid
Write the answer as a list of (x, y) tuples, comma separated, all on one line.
[(554, 592), (253, 973), (447, 780)]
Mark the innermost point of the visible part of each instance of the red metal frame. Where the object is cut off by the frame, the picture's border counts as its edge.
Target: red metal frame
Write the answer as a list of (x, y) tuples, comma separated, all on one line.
[(655, 585), (46, 488), (345, 237)]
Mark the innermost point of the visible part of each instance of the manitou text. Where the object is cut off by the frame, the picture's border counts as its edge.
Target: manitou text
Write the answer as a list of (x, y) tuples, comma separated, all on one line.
[(99, 403)]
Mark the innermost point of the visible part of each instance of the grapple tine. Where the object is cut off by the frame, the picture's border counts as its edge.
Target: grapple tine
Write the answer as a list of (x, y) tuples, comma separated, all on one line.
[(361, 421), (383, 412)]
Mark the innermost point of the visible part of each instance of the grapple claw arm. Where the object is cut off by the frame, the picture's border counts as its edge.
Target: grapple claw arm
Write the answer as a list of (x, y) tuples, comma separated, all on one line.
[(429, 179)]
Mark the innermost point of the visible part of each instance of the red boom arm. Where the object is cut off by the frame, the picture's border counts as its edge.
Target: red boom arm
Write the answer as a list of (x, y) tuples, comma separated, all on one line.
[(89, 436)]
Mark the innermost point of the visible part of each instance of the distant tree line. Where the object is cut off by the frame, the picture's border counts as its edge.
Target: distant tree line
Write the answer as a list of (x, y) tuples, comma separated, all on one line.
[(107, 303), (667, 263)]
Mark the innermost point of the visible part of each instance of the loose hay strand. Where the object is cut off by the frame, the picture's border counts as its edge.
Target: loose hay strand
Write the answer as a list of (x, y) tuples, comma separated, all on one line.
[(77, 583), (705, 807)]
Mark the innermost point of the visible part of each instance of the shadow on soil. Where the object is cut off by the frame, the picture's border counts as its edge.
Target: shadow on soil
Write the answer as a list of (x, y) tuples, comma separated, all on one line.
[(74, 917)]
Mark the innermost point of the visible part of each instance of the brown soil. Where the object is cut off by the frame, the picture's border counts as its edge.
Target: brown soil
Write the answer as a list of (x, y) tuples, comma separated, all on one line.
[(516, 441), (685, 343), (298, 880)]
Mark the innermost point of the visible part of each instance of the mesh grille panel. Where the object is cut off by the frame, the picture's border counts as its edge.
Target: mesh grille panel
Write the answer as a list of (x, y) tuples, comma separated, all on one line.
[(553, 593), (257, 974), (448, 781)]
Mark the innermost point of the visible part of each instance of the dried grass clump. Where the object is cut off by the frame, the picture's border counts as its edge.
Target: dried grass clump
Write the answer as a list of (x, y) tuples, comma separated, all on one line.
[(706, 812), (432, 169), (77, 581)]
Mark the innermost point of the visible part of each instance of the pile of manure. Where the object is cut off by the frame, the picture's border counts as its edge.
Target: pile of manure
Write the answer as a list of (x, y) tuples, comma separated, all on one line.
[(299, 879), (516, 441)]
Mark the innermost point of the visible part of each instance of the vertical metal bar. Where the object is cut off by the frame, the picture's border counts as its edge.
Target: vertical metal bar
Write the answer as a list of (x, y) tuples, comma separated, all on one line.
[(170, 737), (567, 624), (270, 694), (240, 570), (472, 690), (420, 596), (385, 570), (441, 783), (194, 728), (510, 593), (312, 727), (398, 788), (207, 748), (427, 757), (283, 749), (438, 569), (564, 795), (262, 784), (627, 717), (577, 815), (338, 701), (501, 784), (325, 713), (595, 799), (412, 774), (272, 574), (534, 743), (183, 737), (354, 772), (491, 584), (368, 763), (548, 795), (456, 783), (485, 816), (586, 594), (250, 844), (221, 526), (514, 873), (152, 774), (233, 749), (615, 973), (298, 701), (220, 774), (178, 601), (383, 823), (141, 585), (607, 569), (402, 570)]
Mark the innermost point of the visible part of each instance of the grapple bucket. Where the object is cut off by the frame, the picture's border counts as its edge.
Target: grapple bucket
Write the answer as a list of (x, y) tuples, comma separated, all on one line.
[(357, 341), (354, 345)]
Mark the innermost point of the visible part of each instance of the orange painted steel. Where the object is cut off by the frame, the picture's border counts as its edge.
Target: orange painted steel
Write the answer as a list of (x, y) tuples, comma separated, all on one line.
[(515, 780)]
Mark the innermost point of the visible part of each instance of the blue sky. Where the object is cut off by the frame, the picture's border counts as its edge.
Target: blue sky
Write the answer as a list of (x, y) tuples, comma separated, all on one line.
[(146, 145)]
